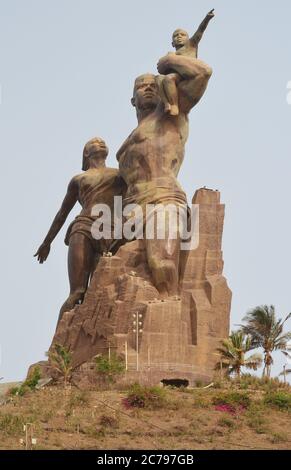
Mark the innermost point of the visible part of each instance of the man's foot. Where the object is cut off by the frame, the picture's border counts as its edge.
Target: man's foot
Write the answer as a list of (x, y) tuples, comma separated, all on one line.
[(168, 108), (174, 111)]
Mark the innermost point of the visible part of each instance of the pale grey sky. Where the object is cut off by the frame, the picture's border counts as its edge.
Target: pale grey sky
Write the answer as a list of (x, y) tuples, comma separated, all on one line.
[(66, 71)]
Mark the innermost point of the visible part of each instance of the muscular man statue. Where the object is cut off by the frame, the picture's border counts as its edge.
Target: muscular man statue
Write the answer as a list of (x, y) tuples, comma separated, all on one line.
[(150, 158), (96, 185)]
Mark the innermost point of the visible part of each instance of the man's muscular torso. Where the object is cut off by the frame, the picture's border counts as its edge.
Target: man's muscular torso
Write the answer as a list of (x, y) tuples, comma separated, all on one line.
[(154, 149)]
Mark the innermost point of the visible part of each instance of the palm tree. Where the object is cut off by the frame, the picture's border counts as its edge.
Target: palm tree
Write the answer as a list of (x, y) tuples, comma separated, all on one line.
[(285, 372), (61, 360), (233, 352), (266, 332), (287, 354)]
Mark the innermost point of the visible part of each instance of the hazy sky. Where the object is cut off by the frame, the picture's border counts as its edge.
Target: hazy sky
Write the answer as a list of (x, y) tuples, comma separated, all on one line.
[(66, 71)]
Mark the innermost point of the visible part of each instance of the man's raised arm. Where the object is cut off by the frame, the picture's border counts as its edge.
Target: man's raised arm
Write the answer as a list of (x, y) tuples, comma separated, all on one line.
[(59, 220), (195, 39)]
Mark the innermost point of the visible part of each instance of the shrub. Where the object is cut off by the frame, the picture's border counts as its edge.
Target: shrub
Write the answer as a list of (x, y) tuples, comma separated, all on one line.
[(244, 386), (60, 359), (232, 398), (10, 425), (199, 383), (109, 369), (13, 391), (231, 402), (144, 397), (226, 422), (226, 408), (22, 390), (276, 438), (29, 384), (256, 419), (280, 400), (218, 384), (109, 421), (79, 399), (32, 380), (200, 402), (248, 381), (263, 383), (258, 424), (273, 384)]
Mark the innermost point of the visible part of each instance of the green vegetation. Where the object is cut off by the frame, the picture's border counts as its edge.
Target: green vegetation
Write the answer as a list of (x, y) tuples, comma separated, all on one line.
[(280, 400), (200, 401), (261, 330), (226, 422), (266, 332), (79, 398), (258, 424), (233, 354), (150, 416), (146, 397), (278, 437), (10, 425), (109, 369), (234, 399), (61, 360), (252, 382), (29, 384)]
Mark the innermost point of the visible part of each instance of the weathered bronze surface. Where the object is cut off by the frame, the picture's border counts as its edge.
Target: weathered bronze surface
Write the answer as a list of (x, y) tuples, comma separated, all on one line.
[(96, 185), (187, 47), (151, 157), (173, 336)]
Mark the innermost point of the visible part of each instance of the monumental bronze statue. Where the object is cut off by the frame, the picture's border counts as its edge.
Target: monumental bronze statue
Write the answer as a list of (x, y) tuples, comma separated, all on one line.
[(149, 162), (150, 158), (96, 185), (161, 308)]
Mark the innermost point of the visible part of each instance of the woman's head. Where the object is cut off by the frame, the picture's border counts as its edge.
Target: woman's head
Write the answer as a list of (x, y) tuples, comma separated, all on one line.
[(96, 148)]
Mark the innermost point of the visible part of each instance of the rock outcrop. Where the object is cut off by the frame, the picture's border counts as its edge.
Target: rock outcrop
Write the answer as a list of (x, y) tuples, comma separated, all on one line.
[(178, 336)]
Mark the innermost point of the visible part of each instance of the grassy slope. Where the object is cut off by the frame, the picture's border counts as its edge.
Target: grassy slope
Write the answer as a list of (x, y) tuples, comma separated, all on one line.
[(74, 419)]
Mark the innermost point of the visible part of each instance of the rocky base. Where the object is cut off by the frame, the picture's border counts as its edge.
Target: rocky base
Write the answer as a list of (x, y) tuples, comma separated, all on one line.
[(179, 335)]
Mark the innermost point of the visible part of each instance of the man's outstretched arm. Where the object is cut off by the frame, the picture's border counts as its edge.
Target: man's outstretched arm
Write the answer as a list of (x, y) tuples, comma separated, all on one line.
[(196, 38), (59, 220)]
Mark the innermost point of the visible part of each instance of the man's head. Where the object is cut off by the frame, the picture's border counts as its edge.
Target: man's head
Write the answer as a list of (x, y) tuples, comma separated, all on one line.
[(94, 149), (145, 93), (179, 38)]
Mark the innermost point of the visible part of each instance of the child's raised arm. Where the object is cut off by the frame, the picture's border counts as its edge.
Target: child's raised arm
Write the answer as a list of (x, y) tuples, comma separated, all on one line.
[(195, 39)]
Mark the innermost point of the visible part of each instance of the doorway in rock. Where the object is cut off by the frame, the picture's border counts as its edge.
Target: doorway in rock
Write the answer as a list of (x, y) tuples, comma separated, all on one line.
[(178, 383)]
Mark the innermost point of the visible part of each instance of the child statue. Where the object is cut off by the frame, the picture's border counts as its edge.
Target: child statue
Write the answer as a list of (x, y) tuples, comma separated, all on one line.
[(187, 47)]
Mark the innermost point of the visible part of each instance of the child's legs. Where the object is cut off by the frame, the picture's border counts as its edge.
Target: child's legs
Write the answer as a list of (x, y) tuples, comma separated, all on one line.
[(170, 83), (167, 85), (170, 88), (159, 82)]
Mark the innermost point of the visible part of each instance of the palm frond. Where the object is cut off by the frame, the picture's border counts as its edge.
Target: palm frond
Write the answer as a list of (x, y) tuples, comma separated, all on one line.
[(254, 361), (265, 330)]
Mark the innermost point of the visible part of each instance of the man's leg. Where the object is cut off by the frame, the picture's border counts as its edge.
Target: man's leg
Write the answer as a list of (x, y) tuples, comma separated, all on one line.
[(164, 265), (81, 260), (196, 75), (163, 254)]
